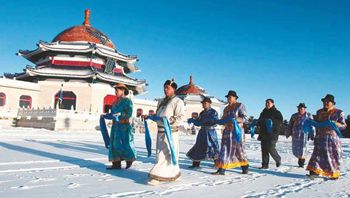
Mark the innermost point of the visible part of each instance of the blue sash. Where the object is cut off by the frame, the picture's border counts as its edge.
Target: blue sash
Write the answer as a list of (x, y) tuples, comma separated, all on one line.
[(194, 121), (268, 124), (237, 132), (168, 134), (328, 123), (148, 139), (103, 127), (252, 127)]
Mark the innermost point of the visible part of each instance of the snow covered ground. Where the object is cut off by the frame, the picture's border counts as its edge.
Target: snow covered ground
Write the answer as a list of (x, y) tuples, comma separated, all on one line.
[(41, 163)]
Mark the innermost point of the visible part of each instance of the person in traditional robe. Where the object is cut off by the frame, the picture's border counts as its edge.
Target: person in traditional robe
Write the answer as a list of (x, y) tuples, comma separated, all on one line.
[(299, 137), (326, 156), (172, 108), (232, 153), (269, 137), (122, 134), (138, 122), (206, 146)]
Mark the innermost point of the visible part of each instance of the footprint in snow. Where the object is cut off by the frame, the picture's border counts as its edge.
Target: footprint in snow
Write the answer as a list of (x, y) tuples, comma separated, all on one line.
[(28, 187), (38, 179), (73, 185)]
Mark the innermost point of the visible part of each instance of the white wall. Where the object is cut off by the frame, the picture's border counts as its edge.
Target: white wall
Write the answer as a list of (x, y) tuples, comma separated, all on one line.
[(14, 89)]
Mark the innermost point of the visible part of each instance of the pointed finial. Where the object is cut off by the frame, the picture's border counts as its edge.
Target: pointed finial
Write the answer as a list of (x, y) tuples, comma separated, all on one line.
[(191, 80), (87, 18)]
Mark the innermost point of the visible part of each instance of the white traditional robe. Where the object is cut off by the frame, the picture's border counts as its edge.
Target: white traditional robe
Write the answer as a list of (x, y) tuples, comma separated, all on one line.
[(174, 110)]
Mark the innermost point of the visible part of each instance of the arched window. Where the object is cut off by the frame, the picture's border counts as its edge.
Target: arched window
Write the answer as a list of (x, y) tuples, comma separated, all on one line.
[(2, 99), (65, 100), (25, 101)]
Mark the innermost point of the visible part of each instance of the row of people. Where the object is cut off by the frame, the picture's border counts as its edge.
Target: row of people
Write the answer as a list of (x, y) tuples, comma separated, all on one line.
[(232, 153), (325, 159)]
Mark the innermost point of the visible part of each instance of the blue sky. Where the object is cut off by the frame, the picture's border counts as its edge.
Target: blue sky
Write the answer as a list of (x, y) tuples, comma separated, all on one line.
[(293, 51)]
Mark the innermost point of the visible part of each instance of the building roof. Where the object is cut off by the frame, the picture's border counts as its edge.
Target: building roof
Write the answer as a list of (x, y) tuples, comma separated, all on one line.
[(82, 47), (81, 41), (84, 32), (190, 88), (81, 52), (138, 86)]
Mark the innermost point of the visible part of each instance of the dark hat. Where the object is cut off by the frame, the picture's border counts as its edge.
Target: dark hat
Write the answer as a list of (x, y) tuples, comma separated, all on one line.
[(231, 93), (122, 86), (171, 83), (328, 97), (206, 99), (301, 105), (271, 100)]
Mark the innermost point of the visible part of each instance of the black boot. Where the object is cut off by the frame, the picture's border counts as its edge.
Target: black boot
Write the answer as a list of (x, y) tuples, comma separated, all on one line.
[(195, 164), (264, 167), (245, 169), (115, 165), (215, 162), (128, 164), (220, 171), (278, 164), (301, 163), (312, 175)]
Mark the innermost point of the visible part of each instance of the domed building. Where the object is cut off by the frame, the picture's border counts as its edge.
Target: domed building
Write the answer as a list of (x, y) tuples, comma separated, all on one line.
[(75, 71), (192, 95)]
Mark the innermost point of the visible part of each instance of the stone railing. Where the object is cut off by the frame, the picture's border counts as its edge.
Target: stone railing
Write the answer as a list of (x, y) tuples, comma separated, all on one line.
[(36, 113), (57, 119)]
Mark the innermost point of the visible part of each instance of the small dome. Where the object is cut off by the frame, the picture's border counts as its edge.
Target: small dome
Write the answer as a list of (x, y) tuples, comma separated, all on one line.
[(190, 88), (84, 32)]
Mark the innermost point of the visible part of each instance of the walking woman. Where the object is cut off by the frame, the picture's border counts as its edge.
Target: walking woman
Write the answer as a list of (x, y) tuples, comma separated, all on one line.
[(122, 134)]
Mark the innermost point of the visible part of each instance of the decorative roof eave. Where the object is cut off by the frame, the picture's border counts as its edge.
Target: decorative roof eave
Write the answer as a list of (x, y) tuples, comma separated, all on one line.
[(87, 74), (82, 47), (28, 54), (137, 85), (126, 79), (116, 55)]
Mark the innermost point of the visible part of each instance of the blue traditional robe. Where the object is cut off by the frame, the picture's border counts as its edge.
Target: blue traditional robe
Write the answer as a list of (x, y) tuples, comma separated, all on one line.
[(325, 159), (299, 138), (232, 153), (206, 146), (122, 134)]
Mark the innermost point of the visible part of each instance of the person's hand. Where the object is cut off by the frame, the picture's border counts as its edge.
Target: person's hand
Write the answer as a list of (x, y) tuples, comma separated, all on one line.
[(337, 124)]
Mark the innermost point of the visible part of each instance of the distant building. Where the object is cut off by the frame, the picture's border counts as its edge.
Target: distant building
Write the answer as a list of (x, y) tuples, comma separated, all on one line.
[(75, 71), (70, 83), (192, 95)]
